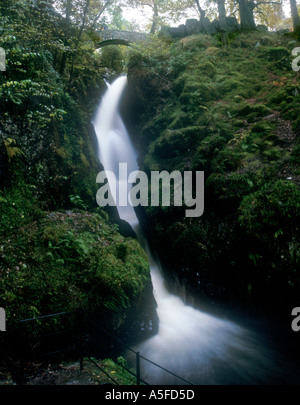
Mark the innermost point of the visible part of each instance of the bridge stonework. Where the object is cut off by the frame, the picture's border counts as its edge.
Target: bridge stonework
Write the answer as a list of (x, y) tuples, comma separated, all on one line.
[(127, 36)]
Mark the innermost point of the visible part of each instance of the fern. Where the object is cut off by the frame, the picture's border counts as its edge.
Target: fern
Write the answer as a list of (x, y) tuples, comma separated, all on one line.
[(11, 150)]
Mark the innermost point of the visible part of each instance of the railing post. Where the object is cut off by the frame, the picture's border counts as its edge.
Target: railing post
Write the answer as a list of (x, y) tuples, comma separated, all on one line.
[(81, 339), (138, 371), (81, 352)]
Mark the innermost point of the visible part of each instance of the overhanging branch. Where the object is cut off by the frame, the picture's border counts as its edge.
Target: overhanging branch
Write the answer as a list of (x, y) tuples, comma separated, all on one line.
[(267, 2)]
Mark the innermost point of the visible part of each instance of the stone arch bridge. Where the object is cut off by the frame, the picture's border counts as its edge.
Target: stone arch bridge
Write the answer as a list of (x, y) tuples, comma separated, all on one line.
[(119, 37)]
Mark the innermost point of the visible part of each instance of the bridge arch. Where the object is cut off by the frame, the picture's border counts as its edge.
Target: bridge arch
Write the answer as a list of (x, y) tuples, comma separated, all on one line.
[(113, 42), (119, 37)]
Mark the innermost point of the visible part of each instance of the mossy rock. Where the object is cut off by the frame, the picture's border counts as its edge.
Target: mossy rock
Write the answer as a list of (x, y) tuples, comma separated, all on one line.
[(253, 111), (230, 187), (239, 123), (178, 85), (272, 154), (276, 205), (212, 51), (267, 40), (262, 127), (276, 53), (173, 142), (195, 42), (207, 68), (69, 261), (279, 96), (198, 93), (230, 84)]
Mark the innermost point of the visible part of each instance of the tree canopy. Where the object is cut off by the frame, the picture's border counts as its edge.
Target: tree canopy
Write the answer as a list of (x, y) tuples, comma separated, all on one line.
[(248, 12)]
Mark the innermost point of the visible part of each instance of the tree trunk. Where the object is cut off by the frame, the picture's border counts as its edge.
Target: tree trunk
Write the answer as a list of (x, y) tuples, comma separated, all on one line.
[(204, 22), (295, 16), (246, 14), (222, 15), (66, 36), (155, 18), (201, 11), (75, 50), (106, 4)]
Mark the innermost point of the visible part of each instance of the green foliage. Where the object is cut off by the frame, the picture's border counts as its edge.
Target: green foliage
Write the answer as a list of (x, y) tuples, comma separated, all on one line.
[(150, 54), (19, 207), (233, 113), (12, 151), (275, 206), (115, 369), (112, 58), (77, 202), (68, 262), (48, 93), (231, 187)]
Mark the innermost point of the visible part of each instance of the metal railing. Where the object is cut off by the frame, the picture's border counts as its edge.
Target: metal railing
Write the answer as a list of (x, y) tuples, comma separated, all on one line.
[(139, 357), (84, 338)]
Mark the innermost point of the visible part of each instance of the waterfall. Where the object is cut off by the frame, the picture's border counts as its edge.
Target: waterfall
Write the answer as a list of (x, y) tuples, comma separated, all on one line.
[(199, 347)]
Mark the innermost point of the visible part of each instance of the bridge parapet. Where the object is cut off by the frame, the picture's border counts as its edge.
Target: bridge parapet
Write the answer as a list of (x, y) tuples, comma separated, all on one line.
[(128, 36)]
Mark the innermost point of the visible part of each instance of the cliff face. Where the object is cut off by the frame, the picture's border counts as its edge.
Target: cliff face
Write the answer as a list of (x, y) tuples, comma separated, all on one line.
[(233, 113)]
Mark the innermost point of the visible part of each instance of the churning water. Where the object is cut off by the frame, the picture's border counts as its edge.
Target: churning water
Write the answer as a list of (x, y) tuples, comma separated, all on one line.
[(201, 348)]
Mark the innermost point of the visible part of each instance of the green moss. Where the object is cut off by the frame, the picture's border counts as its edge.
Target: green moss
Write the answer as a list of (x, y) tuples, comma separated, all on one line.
[(276, 53), (196, 42), (19, 207), (194, 94), (253, 111), (226, 160), (174, 142), (262, 127), (272, 154), (230, 187), (275, 206), (230, 84), (67, 262), (205, 67), (238, 116), (114, 368)]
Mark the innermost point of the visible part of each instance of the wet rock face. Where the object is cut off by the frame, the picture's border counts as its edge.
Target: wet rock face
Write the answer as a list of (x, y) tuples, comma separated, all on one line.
[(142, 320)]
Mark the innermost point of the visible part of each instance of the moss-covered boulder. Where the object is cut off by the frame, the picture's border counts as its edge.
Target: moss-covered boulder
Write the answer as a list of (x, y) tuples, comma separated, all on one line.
[(71, 261)]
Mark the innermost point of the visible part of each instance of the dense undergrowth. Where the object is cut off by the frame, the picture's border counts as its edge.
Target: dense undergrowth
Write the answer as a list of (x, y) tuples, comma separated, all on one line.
[(67, 261), (232, 112)]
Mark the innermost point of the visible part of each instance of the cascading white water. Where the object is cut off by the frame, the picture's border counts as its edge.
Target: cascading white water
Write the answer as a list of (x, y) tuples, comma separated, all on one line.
[(199, 347), (114, 143)]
